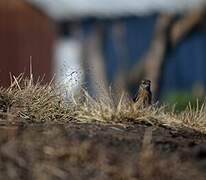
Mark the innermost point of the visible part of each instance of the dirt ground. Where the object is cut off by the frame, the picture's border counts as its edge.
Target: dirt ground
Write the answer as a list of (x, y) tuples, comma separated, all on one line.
[(100, 151)]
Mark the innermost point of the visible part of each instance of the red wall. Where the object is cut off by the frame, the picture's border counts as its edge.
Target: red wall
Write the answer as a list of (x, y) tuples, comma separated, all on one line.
[(24, 32)]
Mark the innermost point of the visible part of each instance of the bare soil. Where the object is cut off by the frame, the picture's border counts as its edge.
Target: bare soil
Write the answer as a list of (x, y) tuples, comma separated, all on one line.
[(98, 151)]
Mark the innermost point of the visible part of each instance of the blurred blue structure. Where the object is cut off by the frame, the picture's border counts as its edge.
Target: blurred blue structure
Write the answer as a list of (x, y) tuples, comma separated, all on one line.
[(185, 65)]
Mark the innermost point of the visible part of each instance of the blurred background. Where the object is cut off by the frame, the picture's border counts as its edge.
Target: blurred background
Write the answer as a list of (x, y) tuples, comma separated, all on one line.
[(108, 43)]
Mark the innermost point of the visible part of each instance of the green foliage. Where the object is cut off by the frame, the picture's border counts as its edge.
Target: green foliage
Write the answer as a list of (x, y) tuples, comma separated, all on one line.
[(181, 99)]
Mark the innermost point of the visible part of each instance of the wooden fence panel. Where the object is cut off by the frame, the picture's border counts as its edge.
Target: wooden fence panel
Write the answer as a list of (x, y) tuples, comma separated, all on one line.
[(24, 32)]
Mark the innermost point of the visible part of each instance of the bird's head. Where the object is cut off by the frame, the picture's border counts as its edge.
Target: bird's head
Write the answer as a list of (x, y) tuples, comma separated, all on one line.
[(145, 84)]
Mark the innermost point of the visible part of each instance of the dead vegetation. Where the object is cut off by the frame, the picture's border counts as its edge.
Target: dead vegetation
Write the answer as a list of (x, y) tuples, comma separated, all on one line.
[(54, 150), (28, 102)]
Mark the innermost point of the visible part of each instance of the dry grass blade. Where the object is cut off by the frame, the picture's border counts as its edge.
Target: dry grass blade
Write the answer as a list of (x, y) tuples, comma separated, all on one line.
[(30, 101)]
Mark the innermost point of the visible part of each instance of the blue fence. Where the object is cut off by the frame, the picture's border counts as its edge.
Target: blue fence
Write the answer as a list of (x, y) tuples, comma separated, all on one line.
[(185, 65)]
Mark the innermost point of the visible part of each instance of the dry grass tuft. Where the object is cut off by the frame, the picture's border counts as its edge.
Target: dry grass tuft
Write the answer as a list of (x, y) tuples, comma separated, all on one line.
[(101, 110), (26, 101), (29, 102)]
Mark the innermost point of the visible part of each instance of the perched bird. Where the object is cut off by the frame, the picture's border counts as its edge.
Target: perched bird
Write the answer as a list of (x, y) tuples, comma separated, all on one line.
[(144, 95)]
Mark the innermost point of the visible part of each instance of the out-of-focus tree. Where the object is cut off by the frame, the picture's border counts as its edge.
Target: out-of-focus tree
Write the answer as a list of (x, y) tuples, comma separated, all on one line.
[(168, 33)]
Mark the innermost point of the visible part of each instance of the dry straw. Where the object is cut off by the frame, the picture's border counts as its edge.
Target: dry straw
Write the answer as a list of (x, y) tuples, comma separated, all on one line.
[(31, 102)]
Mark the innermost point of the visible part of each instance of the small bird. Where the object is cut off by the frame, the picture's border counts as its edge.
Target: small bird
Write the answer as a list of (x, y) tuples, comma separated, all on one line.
[(144, 95)]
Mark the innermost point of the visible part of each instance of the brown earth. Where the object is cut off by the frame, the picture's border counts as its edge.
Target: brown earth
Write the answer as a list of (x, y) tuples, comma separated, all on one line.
[(100, 151)]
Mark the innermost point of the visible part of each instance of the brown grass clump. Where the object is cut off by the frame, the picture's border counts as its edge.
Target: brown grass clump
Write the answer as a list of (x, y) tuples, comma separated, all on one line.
[(26, 101), (61, 152), (29, 102), (104, 110)]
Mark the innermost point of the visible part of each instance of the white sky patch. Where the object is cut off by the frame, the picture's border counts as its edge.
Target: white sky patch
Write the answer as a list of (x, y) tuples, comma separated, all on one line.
[(60, 9), (68, 70)]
